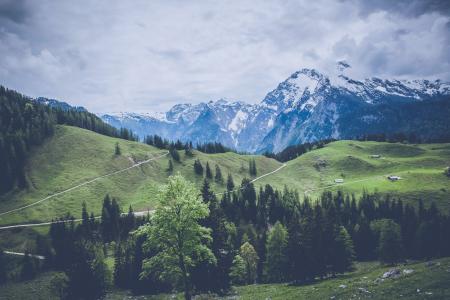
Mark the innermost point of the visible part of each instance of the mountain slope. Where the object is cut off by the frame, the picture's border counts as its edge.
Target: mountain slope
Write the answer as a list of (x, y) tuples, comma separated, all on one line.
[(75, 155), (308, 106)]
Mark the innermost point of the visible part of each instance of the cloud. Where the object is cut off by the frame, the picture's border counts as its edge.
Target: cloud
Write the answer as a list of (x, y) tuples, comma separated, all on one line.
[(149, 55)]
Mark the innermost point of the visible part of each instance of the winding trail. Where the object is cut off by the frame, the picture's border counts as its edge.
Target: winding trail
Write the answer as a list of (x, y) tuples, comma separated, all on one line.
[(23, 254), (347, 182), (83, 184), (137, 213)]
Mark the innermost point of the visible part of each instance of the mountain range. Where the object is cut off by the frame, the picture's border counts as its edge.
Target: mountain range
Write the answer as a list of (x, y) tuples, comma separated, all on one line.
[(307, 106)]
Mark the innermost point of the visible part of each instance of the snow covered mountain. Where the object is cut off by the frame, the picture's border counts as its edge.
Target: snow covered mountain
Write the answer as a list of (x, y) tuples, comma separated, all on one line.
[(305, 107)]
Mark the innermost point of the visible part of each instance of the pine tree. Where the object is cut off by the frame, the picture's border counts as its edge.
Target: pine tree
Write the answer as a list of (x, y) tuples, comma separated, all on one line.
[(198, 168), (218, 177), (170, 167), (28, 270), (238, 271), (3, 271), (208, 172), (344, 251), (174, 154), (117, 150), (230, 183)]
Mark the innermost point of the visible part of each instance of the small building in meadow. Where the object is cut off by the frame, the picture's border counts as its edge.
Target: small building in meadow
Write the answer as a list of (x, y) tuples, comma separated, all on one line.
[(338, 180), (394, 177), (375, 156)]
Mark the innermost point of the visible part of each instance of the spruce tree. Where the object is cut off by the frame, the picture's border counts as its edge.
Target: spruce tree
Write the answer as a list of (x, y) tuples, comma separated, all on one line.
[(218, 178), (208, 172), (170, 166), (3, 271), (28, 270), (198, 168), (230, 183), (117, 150)]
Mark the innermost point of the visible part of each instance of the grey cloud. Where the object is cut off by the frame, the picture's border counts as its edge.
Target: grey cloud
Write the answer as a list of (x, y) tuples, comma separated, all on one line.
[(14, 10), (147, 55), (405, 7)]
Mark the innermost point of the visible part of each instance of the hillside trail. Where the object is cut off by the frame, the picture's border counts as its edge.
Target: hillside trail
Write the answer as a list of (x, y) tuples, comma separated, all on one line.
[(137, 213), (83, 184)]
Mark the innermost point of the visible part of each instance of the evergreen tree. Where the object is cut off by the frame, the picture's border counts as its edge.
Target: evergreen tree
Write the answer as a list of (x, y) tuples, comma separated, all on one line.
[(28, 270), (3, 271), (238, 271), (208, 171), (252, 167), (198, 168), (218, 178), (174, 154), (117, 150), (390, 245), (344, 251), (170, 167), (277, 259), (230, 183)]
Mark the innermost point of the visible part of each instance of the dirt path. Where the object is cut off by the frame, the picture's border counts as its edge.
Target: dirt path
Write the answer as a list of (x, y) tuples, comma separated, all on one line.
[(83, 184), (137, 213), (23, 254)]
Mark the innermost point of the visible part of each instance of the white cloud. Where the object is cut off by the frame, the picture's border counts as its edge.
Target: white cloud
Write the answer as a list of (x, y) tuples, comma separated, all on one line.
[(148, 55)]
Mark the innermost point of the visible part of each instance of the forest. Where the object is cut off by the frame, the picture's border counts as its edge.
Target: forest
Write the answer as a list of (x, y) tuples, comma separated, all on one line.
[(199, 242)]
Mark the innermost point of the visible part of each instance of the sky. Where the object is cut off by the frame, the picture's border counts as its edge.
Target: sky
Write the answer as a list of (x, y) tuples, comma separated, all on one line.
[(141, 56)]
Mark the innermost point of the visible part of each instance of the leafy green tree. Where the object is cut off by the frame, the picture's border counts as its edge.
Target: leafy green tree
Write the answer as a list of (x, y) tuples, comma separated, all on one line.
[(218, 178), (238, 270), (176, 236), (230, 182), (276, 253), (117, 150), (250, 257)]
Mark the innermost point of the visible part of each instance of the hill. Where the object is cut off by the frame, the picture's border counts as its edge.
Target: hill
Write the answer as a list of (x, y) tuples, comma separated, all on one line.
[(73, 156)]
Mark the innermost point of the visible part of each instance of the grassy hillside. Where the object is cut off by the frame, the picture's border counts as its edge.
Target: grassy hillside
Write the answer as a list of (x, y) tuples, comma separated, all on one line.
[(420, 166), (425, 282), (75, 155)]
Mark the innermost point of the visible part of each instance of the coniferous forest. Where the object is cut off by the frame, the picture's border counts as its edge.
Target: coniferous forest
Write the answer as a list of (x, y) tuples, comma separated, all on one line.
[(243, 237)]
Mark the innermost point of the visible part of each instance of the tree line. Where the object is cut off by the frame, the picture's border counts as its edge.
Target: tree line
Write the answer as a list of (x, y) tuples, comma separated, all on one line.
[(162, 143), (24, 123), (197, 242)]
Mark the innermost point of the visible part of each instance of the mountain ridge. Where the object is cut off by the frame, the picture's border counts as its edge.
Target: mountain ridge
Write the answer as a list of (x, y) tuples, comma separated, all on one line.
[(307, 106)]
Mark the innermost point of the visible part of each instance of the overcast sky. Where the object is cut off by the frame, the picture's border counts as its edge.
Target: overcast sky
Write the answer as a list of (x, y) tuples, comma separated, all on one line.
[(149, 55)]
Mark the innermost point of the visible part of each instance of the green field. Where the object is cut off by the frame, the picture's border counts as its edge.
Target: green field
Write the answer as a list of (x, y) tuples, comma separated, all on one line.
[(73, 156), (425, 282)]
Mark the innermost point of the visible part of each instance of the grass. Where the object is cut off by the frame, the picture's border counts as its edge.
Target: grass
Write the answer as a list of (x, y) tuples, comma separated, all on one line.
[(425, 282), (75, 155)]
